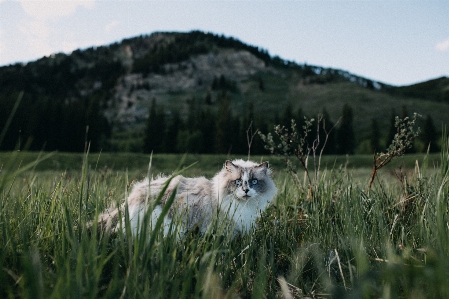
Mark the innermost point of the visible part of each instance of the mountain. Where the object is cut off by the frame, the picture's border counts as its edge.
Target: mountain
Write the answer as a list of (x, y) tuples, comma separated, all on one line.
[(112, 89)]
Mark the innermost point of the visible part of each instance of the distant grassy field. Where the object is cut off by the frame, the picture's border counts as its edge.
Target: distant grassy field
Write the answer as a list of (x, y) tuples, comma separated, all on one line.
[(333, 239), (166, 163)]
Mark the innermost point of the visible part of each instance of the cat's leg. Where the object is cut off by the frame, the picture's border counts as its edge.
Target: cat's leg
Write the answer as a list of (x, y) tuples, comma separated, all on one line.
[(155, 215), (137, 219)]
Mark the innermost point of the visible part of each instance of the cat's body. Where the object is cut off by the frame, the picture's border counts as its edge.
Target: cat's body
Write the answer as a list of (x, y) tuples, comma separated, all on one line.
[(238, 193)]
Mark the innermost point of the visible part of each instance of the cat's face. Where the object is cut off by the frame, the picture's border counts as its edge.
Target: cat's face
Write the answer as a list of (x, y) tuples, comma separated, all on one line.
[(247, 181)]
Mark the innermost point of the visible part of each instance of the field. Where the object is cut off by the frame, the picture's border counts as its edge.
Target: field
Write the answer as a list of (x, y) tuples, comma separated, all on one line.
[(333, 239)]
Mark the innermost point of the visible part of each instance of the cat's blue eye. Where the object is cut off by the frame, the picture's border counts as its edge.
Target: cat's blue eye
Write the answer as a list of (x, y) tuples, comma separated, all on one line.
[(254, 181), (238, 182)]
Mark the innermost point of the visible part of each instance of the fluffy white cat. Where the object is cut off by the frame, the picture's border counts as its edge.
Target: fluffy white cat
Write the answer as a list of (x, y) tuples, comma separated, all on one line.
[(238, 194)]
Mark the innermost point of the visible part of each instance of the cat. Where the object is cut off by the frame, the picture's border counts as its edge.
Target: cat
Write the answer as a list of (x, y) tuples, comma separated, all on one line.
[(237, 194)]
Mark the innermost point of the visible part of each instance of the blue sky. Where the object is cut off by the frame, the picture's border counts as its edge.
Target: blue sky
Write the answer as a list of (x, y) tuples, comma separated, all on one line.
[(398, 42)]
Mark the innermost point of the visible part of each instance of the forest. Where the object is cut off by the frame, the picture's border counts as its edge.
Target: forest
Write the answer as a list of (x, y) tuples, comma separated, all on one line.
[(70, 127)]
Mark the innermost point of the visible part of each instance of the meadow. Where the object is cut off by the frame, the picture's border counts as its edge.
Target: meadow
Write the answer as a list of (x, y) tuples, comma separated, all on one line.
[(333, 239)]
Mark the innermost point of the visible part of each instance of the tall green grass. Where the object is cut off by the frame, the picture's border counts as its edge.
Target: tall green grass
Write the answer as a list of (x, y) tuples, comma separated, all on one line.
[(341, 242)]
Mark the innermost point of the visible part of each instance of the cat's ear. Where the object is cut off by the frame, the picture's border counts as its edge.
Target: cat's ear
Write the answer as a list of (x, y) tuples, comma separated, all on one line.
[(263, 164), (263, 167), (230, 166)]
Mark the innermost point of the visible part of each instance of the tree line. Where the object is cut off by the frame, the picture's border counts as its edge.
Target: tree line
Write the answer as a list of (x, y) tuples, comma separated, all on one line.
[(204, 130), (46, 123)]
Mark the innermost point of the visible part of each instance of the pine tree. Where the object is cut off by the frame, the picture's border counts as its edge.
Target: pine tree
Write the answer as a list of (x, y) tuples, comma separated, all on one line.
[(404, 112), (345, 134), (176, 125), (287, 115), (392, 128), (208, 98), (299, 119), (192, 116), (430, 136), (237, 139), (73, 129), (190, 141), (258, 146), (207, 128), (155, 130), (99, 129), (223, 125), (248, 120), (375, 137), (261, 84), (326, 127)]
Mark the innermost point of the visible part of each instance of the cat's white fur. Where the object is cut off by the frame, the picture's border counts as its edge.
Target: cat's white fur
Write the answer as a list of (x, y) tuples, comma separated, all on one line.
[(238, 193)]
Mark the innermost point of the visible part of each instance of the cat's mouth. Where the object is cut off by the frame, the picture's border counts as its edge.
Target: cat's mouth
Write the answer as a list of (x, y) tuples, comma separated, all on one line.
[(246, 196)]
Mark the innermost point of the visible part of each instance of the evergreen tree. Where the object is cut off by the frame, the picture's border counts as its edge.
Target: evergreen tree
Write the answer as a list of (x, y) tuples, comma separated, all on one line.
[(248, 120), (155, 130), (299, 119), (190, 141), (287, 115), (258, 146), (404, 112), (345, 133), (223, 125), (73, 129), (375, 137), (207, 128), (392, 128), (43, 127), (192, 116), (208, 98), (237, 138), (326, 126), (261, 84), (249, 116), (175, 126), (259, 123), (430, 136), (277, 119), (99, 129)]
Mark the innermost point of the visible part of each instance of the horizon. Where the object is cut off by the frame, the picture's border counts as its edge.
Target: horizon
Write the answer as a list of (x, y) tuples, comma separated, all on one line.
[(392, 42)]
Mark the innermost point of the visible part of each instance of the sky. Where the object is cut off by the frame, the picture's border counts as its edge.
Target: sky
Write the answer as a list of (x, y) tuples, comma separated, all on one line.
[(398, 42)]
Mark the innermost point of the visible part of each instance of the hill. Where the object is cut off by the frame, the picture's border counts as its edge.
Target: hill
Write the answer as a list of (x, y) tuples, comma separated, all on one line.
[(192, 82), (434, 90)]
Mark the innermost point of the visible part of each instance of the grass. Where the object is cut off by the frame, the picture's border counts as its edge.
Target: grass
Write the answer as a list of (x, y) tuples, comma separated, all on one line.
[(339, 242)]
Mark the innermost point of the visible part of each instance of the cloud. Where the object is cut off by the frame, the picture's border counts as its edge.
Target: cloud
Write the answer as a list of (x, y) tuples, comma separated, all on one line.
[(35, 29), (37, 34), (2, 44), (108, 28), (39, 47), (443, 46), (40, 27), (50, 9)]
